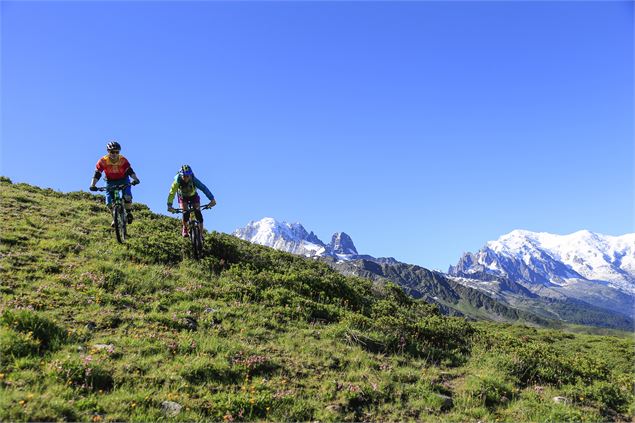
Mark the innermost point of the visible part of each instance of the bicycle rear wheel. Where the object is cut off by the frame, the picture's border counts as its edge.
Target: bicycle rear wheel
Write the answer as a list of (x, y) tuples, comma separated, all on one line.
[(120, 224)]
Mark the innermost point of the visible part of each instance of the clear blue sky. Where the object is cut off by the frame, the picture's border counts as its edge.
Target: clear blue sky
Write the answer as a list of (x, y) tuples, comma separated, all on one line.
[(422, 129)]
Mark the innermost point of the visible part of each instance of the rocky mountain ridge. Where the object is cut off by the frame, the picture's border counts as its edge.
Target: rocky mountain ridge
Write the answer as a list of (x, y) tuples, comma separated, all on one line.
[(294, 238)]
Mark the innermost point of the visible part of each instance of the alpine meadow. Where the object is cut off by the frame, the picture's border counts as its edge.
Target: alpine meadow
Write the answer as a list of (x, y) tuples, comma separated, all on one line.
[(96, 330)]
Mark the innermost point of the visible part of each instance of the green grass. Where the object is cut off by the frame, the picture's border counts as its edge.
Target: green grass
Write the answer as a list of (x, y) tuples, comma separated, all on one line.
[(91, 330)]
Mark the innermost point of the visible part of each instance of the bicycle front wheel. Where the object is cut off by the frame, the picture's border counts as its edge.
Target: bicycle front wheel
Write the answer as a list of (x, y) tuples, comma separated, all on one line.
[(120, 223), (197, 242)]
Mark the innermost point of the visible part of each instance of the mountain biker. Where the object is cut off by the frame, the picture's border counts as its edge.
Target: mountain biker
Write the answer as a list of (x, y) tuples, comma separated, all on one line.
[(118, 172), (185, 183)]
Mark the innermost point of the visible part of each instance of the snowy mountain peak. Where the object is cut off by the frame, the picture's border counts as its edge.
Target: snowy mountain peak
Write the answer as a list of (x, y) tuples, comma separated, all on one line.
[(294, 238), (341, 243), (548, 259), (289, 237), (268, 228)]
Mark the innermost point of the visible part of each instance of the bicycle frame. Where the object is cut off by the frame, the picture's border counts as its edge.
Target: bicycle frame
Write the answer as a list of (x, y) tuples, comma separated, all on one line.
[(119, 213), (196, 237)]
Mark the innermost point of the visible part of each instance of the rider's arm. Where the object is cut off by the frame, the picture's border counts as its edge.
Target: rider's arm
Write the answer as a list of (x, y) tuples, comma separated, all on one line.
[(98, 169), (96, 178), (133, 175), (129, 172), (173, 189), (203, 188)]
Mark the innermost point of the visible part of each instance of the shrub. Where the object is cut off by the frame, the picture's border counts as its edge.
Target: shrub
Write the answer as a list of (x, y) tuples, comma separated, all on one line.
[(202, 371), (228, 406), (488, 390), (104, 275), (15, 344), (435, 338), (607, 395), (156, 241), (83, 373), (49, 335), (291, 304), (532, 362)]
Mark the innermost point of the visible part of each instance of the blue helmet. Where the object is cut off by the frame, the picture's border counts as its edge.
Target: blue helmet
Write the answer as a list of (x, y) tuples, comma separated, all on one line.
[(186, 170)]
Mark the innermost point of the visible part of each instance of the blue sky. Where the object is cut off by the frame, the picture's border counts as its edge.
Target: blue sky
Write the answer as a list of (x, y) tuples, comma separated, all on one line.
[(422, 129)]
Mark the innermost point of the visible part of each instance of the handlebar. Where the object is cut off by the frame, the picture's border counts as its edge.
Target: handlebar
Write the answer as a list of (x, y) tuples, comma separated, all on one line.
[(205, 207), (113, 188)]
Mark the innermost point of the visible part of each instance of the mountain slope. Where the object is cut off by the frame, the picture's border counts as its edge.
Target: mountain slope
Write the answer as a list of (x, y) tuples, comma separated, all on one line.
[(91, 330), (480, 293), (453, 298), (497, 300)]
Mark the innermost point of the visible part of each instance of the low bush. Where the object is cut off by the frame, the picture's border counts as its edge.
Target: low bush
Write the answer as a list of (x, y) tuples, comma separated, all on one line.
[(15, 344), (49, 335), (83, 373), (488, 390)]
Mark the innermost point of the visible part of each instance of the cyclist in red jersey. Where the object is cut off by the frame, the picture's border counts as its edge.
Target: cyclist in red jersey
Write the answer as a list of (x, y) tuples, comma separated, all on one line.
[(118, 172)]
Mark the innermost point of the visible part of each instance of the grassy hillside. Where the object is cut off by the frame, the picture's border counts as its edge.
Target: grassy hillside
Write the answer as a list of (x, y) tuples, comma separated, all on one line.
[(91, 330)]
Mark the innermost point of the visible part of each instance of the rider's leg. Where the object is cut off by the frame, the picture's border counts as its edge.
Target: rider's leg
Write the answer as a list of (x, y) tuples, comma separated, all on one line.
[(186, 217), (184, 230), (127, 201), (110, 207), (196, 202), (109, 202), (128, 205), (199, 216)]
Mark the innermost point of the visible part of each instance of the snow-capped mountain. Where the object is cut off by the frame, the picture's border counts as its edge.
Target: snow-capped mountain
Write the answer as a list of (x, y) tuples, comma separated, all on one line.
[(583, 266), (293, 238), (555, 260), (342, 245)]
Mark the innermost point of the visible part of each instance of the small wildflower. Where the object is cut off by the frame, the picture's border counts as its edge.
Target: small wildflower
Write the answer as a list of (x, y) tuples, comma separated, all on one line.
[(21, 402)]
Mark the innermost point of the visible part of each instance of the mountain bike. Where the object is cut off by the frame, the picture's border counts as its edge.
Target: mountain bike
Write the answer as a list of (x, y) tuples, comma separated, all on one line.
[(119, 214), (196, 237)]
